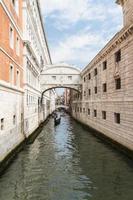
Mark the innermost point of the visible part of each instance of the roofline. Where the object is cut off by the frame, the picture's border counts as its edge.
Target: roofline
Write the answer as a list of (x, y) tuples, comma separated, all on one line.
[(42, 23), (61, 66)]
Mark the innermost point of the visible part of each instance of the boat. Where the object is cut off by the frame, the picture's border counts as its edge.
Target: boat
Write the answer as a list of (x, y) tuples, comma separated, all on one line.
[(57, 120)]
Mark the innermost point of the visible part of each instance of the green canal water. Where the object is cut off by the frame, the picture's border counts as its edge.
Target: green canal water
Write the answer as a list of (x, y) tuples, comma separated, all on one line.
[(68, 163)]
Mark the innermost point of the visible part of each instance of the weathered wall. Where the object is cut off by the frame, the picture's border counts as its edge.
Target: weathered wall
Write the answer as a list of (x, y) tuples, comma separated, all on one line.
[(113, 100)]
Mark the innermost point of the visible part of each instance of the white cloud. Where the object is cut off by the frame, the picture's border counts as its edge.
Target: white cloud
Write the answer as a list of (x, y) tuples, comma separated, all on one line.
[(81, 46), (71, 11)]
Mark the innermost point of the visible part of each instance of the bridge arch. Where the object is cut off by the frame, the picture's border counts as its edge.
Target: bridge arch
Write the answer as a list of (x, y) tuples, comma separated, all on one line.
[(60, 76)]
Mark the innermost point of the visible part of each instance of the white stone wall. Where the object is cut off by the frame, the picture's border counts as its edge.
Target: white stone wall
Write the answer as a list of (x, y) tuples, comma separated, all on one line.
[(112, 101), (35, 57), (11, 103)]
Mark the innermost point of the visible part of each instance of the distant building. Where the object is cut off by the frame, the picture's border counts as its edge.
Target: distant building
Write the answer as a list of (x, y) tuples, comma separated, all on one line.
[(106, 102), (67, 97)]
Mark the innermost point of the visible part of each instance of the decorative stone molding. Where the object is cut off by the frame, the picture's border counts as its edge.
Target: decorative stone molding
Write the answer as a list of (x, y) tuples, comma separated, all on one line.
[(117, 40)]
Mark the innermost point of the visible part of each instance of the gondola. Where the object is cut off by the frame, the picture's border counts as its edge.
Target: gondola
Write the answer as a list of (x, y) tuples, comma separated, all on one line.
[(57, 120)]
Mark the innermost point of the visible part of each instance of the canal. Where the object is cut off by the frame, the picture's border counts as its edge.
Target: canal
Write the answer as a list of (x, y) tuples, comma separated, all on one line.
[(68, 163)]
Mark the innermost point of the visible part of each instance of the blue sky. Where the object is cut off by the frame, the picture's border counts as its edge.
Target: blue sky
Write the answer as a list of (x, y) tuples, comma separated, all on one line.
[(77, 29)]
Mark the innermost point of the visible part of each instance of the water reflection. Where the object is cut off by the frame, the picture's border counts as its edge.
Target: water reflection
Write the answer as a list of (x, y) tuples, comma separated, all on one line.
[(68, 163)]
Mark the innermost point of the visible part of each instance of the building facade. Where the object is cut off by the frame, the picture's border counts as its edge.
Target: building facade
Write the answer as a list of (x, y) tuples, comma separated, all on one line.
[(35, 57), (24, 54), (106, 102), (11, 76)]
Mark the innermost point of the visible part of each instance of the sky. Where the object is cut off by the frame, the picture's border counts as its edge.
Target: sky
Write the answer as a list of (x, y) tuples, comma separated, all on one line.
[(77, 30)]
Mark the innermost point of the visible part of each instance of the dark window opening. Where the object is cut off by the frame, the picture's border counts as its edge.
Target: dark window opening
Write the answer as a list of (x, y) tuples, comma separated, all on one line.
[(89, 111), (118, 56), (117, 118), (118, 83), (89, 76), (83, 110), (95, 90), (104, 65), (2, 124), (89, 91), (104, 115), (104, 87), (95, 113), (95, 71)]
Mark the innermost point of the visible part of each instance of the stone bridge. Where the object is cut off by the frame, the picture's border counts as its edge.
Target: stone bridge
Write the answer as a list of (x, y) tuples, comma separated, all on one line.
[(61, 106), (60, 76)]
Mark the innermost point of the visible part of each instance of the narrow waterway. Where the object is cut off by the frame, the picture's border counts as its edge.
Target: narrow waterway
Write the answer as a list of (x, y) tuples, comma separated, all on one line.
[(68, 163)]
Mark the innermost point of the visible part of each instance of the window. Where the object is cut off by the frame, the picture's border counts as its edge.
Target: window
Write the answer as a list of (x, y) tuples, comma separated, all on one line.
[(117, 118), (13, 2), (89, 76), (11, 75), (11, 37), (54, 77), (83, 110), (17, 46), (95, 113), (14, 119), (89, 111), (84, 93), (104, 115), (118, 83), (70, 77), (84, 79), (18, 79), (2, 124), (118, 56), (95, 89), (104, 65), (16, 5), (89, 91), (104, 87), (95, 71)]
